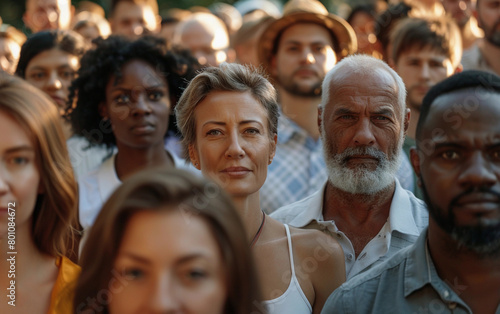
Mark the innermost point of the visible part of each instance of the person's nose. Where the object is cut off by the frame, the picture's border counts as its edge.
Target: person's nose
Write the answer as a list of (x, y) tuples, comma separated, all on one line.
[(424, 72), (137, 29), (364, 134), (308, 56), (163, 297), (477, 172), (53, 82), (141, 106), (235, 149)]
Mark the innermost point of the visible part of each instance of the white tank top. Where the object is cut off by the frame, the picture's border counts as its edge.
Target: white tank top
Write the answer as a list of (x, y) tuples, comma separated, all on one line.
[(293, 301)]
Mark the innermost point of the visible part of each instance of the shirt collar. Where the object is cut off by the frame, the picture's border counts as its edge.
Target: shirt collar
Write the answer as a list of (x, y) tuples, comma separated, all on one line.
[(287, 128), (419, 268), (400, 214), (309, 209)]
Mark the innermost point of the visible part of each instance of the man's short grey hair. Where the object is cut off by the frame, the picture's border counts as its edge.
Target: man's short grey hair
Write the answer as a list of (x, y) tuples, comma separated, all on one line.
[(360, 64)]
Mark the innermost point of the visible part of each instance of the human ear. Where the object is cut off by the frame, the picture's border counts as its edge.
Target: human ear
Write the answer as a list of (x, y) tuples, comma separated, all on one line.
[(415, 162), (193, 156), (274, 142)]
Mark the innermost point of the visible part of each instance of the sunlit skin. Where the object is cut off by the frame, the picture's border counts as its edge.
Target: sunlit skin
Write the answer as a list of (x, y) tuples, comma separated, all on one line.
[(304, 56), (364, 27), (460, 10), (208, 46), (48, 14), (233, 145), (9, 55), (462, 152), (52, 71), (420, 69), (133, 20), (171, 263)]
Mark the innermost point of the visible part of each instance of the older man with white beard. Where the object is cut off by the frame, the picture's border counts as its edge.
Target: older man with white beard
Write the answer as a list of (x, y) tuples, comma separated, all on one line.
[(363, 120)]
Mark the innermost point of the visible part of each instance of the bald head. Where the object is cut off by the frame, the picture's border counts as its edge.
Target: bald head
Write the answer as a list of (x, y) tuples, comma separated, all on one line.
[(206, 36)]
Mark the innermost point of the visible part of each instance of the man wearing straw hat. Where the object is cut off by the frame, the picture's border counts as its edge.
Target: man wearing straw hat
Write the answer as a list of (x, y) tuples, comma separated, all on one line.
[(297, 51)]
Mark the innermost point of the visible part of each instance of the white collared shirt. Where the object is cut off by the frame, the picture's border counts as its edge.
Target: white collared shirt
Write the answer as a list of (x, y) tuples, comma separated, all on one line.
[(408, 216), (97, 186)]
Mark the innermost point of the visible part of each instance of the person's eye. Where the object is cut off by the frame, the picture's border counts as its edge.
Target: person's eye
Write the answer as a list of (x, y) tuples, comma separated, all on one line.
[(252, 131), (214, 132), (292, 48), (122, 99), (18, 160), (36, 76), (450, 155), (196, 274), (319, 49), (133, 273), (155, 95), (495, 154), (67, 74), (346, 117), (380, 118)]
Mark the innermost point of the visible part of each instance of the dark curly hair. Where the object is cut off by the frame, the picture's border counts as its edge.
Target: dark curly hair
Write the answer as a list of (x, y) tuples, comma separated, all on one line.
[(105, 60)]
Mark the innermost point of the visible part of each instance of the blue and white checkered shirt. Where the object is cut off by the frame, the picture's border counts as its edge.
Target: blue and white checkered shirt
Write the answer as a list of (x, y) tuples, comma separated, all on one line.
[(298, 169)]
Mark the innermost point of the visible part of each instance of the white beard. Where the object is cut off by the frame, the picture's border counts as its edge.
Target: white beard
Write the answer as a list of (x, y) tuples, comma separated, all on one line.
[(362, 180)]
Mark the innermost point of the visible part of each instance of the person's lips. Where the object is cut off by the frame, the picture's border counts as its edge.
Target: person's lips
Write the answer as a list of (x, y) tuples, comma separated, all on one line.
[(143, 128), (236, 171), (305, 72), (60, 101), (478, 202), (362, 159)]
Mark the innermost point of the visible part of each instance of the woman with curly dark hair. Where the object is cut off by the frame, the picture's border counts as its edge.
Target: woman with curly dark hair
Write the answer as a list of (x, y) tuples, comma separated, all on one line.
[(125, 91)]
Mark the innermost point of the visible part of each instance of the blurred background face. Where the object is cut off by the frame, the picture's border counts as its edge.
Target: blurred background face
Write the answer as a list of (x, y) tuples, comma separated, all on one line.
[(52, 71), (9, 55), (304, 56), (171, 264), (459, 10), (488, 16), (133, 20), (48, 14)]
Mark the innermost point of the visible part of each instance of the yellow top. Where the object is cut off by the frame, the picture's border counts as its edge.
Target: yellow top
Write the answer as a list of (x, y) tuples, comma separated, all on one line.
[(61, 299)]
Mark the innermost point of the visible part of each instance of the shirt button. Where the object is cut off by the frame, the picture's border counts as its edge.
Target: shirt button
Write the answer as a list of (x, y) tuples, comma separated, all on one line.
[(339, 236), (350, 256), (446, 294)]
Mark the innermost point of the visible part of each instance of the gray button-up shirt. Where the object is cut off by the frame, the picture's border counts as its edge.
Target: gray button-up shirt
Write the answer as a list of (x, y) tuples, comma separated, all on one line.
[(406, 283)]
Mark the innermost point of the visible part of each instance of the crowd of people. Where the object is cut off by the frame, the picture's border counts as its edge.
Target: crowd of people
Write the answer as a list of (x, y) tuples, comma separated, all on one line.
[(251, 158)]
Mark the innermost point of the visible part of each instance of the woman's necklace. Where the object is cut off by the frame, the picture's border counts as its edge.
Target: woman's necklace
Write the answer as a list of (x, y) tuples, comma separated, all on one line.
[(259, 231)]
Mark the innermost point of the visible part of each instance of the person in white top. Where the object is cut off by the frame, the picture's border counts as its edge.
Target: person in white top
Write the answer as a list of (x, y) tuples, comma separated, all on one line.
[(125, 94), (228, 118), (363, 120)]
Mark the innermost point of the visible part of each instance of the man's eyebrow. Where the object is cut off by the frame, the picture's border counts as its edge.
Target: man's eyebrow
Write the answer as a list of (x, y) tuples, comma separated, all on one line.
[(342, 111)]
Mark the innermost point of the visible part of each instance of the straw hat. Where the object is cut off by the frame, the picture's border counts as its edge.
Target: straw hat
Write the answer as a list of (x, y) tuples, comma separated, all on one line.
[(308, 11)]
